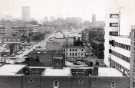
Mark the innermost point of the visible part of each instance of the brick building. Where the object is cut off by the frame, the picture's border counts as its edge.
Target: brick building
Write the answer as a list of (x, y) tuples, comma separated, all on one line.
[(59, 78)]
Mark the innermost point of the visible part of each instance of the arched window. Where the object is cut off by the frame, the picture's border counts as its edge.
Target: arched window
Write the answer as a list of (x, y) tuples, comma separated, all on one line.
[(56, 84)]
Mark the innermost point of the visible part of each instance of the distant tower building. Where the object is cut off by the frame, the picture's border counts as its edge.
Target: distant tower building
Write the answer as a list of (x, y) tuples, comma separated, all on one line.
[(26, 13), (94, 18)]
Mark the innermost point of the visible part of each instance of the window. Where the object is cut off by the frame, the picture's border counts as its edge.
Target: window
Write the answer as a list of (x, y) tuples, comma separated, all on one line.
[(110, 51), (75, 54), (114, 24), (56, 84), (124, 46), (90, 64), (114, 15), (111, 42), (72, 54), (119, 55), (113, 84), (72, 49), (82, 49), (113, 33), (119, 67)]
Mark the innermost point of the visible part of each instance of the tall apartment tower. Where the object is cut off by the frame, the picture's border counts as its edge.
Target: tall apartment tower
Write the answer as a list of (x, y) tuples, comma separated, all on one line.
[(117, 47), (111, 29), (26, 13), (132, 60)]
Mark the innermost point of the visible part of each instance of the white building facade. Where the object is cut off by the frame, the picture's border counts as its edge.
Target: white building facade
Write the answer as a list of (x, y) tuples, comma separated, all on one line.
[(117, 47)]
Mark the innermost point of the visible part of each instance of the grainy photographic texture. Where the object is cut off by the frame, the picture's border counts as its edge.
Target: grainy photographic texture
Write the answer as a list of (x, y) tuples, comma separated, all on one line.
[(67, 44)]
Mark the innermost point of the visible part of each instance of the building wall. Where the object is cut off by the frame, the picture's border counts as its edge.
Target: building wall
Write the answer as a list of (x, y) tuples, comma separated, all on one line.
[(119, 55), (75, 52), (31, 82), (132, 61), (64, 82), (106, 82), (117, 46), (110, 29), (10, 82)]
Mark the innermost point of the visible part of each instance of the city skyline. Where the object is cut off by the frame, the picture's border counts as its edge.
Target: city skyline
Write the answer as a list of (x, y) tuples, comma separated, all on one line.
[(65, 8), (52, 8)]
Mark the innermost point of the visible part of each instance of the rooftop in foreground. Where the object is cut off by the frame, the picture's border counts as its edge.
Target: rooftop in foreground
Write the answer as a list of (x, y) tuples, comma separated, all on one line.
[(108, 72), (13, 69), (10, 69)]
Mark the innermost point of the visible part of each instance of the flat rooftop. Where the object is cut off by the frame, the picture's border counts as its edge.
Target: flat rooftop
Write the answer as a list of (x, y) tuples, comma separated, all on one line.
[(57, 72), (10, 69), (13, 69), (108, 72)]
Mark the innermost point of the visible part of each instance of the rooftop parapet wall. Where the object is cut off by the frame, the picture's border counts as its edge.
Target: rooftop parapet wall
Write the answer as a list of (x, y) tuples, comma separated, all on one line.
[(64, 82)]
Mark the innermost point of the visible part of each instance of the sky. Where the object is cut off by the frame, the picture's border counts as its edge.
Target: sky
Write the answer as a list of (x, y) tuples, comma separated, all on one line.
[(56, 8), (127, 14), (39, 9)]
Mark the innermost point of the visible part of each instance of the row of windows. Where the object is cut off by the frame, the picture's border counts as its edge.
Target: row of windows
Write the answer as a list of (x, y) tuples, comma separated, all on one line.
[(124, 46), (76, 54), (56, 83), (113, 33), (119, 67), (114, 25), (114, 16), (119, 55), (113, 84), (76, 49)]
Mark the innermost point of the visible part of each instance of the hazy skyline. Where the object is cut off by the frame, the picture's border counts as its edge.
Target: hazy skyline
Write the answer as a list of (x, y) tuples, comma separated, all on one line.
[(67, 8), (56, 8)]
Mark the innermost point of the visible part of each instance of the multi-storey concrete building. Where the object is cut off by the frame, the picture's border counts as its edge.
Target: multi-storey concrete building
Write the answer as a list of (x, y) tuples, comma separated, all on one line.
[(117, 47), (121, 54)]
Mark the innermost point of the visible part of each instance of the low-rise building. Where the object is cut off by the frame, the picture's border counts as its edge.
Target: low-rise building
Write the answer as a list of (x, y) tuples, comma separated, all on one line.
[(41, 77), (75, 52)]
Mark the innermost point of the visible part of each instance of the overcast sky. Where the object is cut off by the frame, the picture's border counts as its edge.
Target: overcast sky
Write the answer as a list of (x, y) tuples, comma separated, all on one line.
[(57, 8), (60, 8)]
